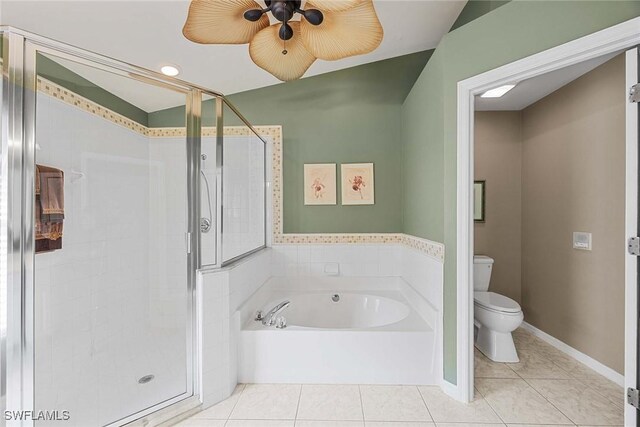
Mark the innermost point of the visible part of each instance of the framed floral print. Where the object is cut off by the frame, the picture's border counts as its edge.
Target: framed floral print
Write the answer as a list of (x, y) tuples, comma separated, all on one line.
[(357, 184), (320, 184)]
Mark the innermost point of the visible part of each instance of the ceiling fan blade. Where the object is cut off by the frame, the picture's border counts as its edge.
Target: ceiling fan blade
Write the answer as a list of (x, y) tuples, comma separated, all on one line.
[(350, 32), (222, 22), (331, 5), (266, 51)]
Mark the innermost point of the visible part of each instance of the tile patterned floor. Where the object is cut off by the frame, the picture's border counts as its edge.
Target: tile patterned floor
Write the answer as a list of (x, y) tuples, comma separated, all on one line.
[(547, 388)]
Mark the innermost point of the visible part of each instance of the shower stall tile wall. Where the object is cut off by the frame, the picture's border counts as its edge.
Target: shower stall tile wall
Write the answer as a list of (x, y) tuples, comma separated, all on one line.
[(242, 221), (243, 195), (123, 263), (221, 292)]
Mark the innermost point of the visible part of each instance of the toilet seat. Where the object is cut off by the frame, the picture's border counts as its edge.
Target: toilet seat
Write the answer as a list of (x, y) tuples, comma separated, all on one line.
[(496, 302)]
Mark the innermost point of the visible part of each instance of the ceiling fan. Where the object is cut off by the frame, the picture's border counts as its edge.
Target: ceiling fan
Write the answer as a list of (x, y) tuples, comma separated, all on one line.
[(286, 48)]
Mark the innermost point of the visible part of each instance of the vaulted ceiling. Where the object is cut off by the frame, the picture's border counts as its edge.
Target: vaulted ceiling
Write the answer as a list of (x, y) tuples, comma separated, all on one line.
[(149, 33)]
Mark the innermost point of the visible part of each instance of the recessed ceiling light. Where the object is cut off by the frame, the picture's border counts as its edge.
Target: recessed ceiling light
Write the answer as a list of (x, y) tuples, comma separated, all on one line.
[(170, 70), (497, 92)]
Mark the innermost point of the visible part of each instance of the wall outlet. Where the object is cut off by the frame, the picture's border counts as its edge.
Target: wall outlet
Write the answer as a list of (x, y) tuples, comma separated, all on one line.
[(582, 240)]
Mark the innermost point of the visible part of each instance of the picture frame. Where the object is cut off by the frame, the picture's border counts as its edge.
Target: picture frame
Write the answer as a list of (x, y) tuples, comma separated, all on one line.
[(479, 201), (358, 183), (320, 186)]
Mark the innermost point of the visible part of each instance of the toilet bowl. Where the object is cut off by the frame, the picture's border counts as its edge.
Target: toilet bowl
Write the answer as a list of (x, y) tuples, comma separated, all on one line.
[(495, 315)]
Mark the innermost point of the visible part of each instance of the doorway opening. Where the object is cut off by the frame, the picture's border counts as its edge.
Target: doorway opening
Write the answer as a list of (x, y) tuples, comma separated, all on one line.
[(530, 167)]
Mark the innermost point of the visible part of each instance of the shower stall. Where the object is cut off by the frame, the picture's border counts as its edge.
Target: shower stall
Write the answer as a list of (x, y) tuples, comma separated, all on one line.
[(160, 178)]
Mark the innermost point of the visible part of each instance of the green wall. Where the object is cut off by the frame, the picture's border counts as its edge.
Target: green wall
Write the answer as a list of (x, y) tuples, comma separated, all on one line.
[(55, 72), (511, 32), (475, 9), (346, 116)]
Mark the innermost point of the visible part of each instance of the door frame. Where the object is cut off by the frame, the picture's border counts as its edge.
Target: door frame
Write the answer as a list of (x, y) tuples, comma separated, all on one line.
[(616, 38), (631, 229)]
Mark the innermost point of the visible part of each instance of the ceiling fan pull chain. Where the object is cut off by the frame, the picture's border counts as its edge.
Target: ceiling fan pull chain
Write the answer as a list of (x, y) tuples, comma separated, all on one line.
[(284, 41)]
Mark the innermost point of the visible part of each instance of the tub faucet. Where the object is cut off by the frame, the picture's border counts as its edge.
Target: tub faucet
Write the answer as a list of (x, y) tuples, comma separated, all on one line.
[(269, 319)]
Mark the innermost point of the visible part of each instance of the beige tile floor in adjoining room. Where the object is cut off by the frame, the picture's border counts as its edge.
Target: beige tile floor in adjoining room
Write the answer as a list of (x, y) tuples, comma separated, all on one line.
[(547, 388)]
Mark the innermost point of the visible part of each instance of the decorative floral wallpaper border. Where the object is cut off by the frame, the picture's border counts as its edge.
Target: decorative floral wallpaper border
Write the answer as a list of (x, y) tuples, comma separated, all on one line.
[(56, 91), (272, 133), (432, 249)]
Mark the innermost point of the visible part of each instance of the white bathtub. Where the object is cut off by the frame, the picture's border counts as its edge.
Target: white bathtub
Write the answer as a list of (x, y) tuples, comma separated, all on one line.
[(341, 331), (325, 310)]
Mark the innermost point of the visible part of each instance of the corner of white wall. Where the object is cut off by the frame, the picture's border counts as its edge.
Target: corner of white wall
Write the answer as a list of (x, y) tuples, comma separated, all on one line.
[(425, 274)]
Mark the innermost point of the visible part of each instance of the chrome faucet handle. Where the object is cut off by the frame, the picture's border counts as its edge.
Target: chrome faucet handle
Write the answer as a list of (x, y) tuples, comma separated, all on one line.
[(269, 319), (281, 322), (259, 317)]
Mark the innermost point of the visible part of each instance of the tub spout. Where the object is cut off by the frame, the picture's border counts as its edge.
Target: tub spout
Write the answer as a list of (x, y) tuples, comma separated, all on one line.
[(269, 319)]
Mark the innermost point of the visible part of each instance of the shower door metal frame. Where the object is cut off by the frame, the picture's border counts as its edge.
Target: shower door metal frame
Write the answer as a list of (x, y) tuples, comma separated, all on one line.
[(221, 102), (15, 348), (17, 163), (18, 153)]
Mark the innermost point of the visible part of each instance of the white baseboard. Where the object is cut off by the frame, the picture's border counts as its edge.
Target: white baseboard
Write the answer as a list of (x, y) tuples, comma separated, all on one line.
[(578, 355)]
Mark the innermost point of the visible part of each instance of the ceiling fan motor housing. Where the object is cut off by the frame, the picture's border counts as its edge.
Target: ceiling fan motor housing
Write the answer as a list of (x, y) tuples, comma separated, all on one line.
[(283, 11)]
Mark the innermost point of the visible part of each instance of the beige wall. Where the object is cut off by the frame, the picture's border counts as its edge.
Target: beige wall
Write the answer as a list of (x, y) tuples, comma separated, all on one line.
[(498, 159), (572, 179), (573, 174)]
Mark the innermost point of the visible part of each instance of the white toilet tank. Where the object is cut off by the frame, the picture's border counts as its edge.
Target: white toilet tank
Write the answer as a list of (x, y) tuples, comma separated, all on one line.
[(482, 266)]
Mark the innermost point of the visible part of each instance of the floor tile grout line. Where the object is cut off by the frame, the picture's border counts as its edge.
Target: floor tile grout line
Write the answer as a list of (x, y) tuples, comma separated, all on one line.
[(235, 404), (425, 405), (597, 390), (550, 403), (244, 387), (536, 391), (491, 406), (361, 403), (560, 352), (295, 418), (547, 400)]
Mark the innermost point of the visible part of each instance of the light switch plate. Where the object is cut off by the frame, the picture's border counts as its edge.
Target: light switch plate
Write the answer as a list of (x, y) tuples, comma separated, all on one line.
[(582, 240)]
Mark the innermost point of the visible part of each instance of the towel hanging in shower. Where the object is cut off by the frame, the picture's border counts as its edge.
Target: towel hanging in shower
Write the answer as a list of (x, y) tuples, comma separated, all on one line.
[(49, 208)]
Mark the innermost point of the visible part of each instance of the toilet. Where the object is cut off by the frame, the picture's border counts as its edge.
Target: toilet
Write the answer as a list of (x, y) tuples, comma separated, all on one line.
[(495, 315)]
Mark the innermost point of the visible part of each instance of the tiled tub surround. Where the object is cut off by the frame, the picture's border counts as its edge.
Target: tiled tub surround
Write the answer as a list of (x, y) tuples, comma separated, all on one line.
[(401, 352), (220, 293), (526, 394), (111, 304), (223, 291)]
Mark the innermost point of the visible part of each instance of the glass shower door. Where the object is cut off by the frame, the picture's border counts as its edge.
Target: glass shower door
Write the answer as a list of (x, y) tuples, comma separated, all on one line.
[(113, 300), (243, 188)]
